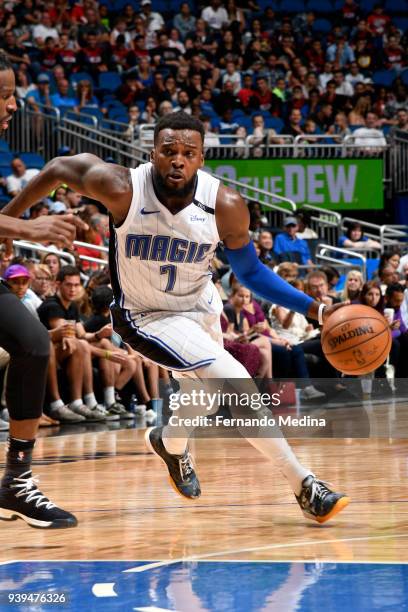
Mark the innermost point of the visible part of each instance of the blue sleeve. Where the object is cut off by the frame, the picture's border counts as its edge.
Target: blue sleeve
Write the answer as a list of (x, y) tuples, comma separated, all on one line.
[(305, 252), (342, 240), (264, 282), (277, 247)]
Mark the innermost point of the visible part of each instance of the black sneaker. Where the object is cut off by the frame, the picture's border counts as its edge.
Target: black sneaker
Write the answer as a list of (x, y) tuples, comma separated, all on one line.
[(181, 470), (22, 499), (318, 502)]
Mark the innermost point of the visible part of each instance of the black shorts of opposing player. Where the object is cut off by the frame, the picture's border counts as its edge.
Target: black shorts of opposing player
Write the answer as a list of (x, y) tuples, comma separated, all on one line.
[(28, 343)]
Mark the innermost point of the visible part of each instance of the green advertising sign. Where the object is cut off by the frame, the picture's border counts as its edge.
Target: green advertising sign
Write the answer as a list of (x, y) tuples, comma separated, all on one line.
[(334, 184)]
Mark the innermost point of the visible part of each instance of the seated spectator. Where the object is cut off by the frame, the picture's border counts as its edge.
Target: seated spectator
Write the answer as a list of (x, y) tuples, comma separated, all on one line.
[(245, 352), (372, 296), (352, 287), (354, 239), (44, 30), (215, 15), (68, 50), (20, 178), (54, 264), (91, 237), (261, 136), (94, 57), (326, 75), (377, 21), (370, 138), (183, 102), (41, 281), (288, 271), (304, 220), (23, 84), (63, 97), (184, 21), (40, 96), (343, 87), (266, 251), (116, 374), (150, 115), (211, 139), (85, 96), (333, 277), (391, 258), (15, 51), (317, 286), (387, 277), (57, 202), (153, 20), (238, 324), (339, 130), (340, 53), (401, 124), (294, 127), (354, 75), (394, 298), (60, 315), (18, 279), (133, 129), (246, 95), (41, 209), (288, 247), (232, 75), (48, 56)]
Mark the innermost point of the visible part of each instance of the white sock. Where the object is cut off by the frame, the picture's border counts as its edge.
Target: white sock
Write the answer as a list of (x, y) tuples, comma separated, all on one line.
[(109, 396), (75, 403), (56, 404), (279, 451), (176, 443), (90, 400)]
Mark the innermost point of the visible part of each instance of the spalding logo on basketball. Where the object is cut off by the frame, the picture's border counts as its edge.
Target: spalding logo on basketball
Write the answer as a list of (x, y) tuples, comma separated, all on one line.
[(356, 339)]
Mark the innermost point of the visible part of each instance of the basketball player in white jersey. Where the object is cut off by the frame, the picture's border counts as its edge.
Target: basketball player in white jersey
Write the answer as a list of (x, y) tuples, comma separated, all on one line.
[(167, 218)]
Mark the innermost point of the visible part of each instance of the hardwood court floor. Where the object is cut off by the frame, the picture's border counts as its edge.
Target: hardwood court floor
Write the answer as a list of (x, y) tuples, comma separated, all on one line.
[(127, 510)]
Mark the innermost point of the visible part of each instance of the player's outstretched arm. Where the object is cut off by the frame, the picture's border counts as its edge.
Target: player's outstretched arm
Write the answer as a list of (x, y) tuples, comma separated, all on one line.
[(233, 224), (85, 173)]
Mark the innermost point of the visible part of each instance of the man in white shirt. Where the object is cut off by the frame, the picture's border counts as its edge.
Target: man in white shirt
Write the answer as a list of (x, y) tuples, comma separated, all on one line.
[(44, 29), (20, 177), (154, 21), (326, 76), (343, 88), (215, 15), (370, 138)]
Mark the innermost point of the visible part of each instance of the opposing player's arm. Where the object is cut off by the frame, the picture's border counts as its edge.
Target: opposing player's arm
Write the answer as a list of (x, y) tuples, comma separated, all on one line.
[(232, 218), (85, 173)]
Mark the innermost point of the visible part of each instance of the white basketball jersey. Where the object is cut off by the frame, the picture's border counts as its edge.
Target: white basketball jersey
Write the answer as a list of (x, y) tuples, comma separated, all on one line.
[(161, 261)]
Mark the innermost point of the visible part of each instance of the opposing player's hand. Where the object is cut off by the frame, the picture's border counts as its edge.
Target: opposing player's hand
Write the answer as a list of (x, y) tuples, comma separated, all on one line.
[(54, 228)]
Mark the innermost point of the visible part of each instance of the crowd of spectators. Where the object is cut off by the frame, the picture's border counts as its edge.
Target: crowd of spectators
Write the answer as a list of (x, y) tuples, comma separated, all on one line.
[(336, 72)]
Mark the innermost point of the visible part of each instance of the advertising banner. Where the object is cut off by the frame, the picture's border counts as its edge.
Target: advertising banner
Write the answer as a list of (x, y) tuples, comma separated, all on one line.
[(335, 184)]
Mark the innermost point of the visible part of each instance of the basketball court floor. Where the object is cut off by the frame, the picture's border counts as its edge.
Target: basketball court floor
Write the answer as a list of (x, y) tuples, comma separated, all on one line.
[(243, 546)]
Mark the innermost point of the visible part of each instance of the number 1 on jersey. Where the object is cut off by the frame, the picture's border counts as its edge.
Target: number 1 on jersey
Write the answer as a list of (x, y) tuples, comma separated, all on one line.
[(172, 272)]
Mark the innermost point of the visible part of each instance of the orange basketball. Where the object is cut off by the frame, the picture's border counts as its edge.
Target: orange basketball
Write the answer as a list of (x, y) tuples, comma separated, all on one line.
[(356, 339)]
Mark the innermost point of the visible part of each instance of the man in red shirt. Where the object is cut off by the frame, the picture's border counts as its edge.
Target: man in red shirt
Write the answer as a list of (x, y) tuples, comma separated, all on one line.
[(377, 21)]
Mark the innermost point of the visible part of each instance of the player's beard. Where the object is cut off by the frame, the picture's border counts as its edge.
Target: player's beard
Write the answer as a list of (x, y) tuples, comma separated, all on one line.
[(164, 190)]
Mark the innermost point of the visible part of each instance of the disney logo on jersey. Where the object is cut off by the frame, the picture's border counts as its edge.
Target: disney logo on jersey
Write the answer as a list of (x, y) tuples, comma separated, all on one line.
[(197, 218), (165, 248)]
